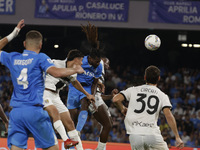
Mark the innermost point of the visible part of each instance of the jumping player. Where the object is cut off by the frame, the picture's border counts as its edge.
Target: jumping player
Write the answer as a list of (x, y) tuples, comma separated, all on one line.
[(53, 103), (102, 114), (88, 79)]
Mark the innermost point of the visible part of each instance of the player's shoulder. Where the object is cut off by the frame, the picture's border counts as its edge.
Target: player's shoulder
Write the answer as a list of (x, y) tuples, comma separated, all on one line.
[(85, 59), (132, 88), (11, 53), (59, 63), (101, 62), (100, 66), (161, 93), (42, 55)]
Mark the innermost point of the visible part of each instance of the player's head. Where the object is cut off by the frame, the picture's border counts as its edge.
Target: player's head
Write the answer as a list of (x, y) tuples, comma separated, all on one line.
[(106, 62), (152, 74), (76, 56), (33, 40), (94, 57)]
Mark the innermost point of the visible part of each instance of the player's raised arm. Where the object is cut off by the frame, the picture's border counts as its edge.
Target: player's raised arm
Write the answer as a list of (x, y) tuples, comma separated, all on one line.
[(12, 35)]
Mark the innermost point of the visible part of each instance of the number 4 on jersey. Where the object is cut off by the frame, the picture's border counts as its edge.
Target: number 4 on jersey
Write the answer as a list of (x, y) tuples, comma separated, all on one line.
[(22, 79)]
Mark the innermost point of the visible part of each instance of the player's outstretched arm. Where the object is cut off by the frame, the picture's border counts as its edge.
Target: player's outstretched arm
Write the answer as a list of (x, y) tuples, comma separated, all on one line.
[(109, 97), (79, 87), (12, 35), (64, 72), (117, 99), (4, 118), (172, 123)]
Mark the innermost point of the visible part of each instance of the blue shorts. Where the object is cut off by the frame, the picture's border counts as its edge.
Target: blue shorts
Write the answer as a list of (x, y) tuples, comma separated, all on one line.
[(74, 96), (30, 119)]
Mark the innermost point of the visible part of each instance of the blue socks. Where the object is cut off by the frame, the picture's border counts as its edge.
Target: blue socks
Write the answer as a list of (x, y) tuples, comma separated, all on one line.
[(82, 118)]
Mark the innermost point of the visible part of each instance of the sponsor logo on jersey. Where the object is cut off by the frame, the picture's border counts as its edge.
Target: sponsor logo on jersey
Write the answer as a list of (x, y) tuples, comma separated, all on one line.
[(142, 124)]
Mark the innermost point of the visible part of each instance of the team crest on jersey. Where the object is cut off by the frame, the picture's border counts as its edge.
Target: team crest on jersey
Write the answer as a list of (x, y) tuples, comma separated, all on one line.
[(46, 101)]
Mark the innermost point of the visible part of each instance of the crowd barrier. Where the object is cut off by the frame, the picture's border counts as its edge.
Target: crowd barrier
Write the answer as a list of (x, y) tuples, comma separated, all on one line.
[(87, 145)]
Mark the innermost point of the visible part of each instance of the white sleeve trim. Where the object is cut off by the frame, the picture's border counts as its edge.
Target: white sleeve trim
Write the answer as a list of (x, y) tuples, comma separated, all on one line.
[(49, 67)]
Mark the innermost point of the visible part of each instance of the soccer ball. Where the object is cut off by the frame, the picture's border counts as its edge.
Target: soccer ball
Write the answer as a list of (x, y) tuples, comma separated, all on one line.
[(152, 42)]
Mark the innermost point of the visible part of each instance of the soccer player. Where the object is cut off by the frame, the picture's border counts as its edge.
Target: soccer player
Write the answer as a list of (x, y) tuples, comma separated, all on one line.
[(145, 103), (4, 118), (102, 114), (88, 79), (27, 73), (54, 105)]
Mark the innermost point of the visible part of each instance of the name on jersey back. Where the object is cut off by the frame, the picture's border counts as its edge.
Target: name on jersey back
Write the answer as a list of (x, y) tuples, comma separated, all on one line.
[(149, 90), (23, 62)]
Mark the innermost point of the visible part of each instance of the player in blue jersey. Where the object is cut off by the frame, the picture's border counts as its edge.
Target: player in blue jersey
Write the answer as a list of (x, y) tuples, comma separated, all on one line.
[(102, 114), (88, 79), (27, 72)]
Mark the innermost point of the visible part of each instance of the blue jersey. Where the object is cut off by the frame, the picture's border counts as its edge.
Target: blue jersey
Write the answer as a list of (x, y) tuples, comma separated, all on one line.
[(90, 72), (27, 72)]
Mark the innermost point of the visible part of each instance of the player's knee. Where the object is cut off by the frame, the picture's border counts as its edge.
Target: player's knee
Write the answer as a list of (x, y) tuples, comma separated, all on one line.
[(84, 104)]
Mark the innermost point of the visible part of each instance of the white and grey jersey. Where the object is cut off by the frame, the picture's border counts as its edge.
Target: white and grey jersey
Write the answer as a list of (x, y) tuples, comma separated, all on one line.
[(101, 79), (145, 104), (56, 84)]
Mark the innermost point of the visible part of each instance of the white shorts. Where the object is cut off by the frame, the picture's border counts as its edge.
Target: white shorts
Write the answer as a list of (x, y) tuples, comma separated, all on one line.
[(98, 102), (150, 142), (51, 98)]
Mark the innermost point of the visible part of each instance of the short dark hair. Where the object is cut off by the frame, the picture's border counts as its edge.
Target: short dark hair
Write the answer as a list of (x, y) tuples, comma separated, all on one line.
[(152, 74), (95, 53), (74, 54), (33, 35)]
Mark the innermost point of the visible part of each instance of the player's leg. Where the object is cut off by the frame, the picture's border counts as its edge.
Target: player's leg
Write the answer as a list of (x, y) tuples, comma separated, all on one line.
[(136, 142), (13, 147), (30, 119), (156, 142), (102, 116), (17, 132), (55, 147), (67, 122), (72, 133), (49, 98), (82, 118), (83, 115), (57, 123), (74, 115), (73, 103)]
